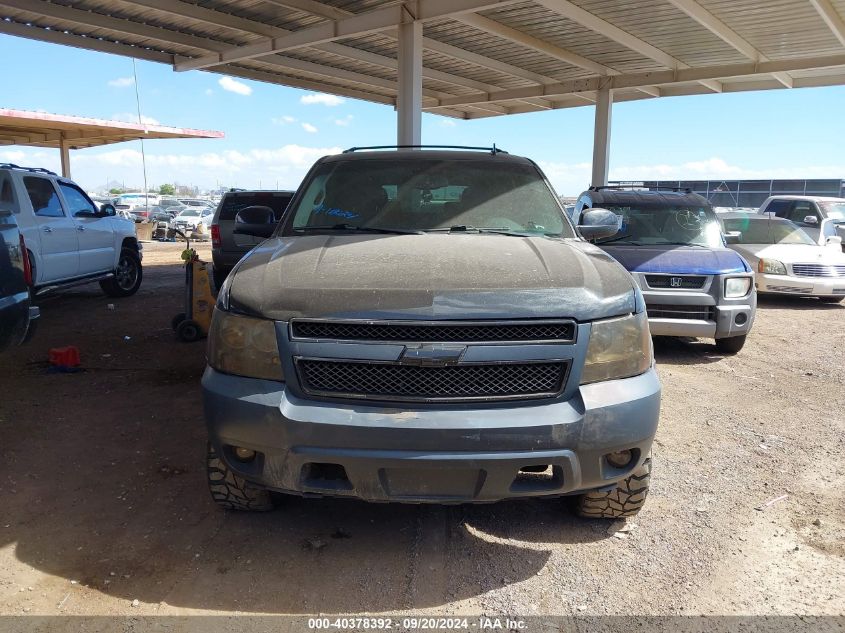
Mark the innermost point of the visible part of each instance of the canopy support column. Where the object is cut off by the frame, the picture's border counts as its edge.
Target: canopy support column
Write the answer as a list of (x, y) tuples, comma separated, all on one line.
[(409, 101), (601, 137), (64, 150)]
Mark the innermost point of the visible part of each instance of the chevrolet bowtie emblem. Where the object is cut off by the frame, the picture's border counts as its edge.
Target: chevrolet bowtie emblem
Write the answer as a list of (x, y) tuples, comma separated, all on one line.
[(435, 355)]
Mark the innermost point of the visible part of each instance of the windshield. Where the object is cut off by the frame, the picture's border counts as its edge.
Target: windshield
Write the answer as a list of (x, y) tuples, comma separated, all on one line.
[(835, 211), (189, 213), (766, 231), (430, 195), (655, 225)]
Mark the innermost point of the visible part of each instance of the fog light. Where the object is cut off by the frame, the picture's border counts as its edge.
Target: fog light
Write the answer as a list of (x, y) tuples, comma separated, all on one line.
[(741, 318), (619, 459), (244, 454)]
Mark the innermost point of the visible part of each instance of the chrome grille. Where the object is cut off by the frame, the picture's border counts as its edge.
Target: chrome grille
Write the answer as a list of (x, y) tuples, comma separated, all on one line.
[(668, 311), (435, 332), (817, 270), (685, 282), (395, 381)]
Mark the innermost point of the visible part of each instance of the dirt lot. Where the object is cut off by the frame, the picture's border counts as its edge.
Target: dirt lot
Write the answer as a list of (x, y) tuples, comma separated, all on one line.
[(103, 495)]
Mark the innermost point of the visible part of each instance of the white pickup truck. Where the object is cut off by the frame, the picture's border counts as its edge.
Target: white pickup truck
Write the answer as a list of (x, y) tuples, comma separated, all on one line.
[(70, 239)]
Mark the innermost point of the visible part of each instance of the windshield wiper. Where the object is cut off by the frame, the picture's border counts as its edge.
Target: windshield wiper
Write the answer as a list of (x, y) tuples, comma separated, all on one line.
[(617, 239), (344, 226), (681, 244), (462, 228)]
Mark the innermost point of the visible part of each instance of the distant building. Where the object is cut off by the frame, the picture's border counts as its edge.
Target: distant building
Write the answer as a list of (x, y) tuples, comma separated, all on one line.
[(745, 193)]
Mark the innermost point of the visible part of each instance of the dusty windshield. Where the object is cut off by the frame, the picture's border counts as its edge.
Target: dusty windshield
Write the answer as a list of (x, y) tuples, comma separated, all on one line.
[(657, 225), (765, 231), (430, 195)]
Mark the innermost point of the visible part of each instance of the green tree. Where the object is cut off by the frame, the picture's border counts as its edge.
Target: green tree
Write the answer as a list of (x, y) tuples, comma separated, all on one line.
[(167, 190), (116, 191)]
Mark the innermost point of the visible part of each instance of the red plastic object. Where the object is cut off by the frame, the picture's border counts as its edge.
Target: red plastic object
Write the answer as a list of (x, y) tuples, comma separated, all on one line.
[(65, 356), (215, 235)]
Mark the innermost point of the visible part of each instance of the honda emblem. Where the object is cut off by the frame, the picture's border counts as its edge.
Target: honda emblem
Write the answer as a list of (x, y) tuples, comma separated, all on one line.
[(676, 282)]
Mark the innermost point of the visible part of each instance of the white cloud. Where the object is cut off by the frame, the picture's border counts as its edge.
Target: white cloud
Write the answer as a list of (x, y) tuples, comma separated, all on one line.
[(446, 123), (322, 99), (345, 121), (285, 119), (309, 128), (209, 92), (128, 117), (233, 168), (230, 85), (122, 82)]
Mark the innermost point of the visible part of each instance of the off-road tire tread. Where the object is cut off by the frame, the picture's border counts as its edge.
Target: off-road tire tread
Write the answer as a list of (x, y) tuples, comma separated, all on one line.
[(231, 491), (625, 500)]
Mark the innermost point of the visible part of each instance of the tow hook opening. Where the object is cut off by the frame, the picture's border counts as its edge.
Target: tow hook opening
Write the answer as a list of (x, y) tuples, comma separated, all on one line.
[(325, 476), (538, 477)]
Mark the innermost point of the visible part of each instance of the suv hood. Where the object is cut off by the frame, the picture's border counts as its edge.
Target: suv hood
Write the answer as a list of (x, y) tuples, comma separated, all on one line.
[(677, 259), (429, 276)]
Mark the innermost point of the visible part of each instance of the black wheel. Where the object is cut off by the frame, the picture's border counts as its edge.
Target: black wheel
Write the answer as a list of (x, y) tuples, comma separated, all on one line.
[(626, 500), (127, 275), (730, 345), (231, 491), (219, 275), (188, 331), (175, 321), (831, 299)]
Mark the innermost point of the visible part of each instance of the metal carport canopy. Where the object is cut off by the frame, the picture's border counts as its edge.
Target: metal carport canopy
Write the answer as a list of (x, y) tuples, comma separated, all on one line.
[(468, 58), (40, 129)]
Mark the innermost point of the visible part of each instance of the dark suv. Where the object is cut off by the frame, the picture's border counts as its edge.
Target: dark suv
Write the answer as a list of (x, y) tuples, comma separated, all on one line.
[(17, 314), (227, 247), (427, 326), (672, 244)]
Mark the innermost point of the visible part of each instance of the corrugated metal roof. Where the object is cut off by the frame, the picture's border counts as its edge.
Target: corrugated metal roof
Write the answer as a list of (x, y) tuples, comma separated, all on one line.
[(506, 56)]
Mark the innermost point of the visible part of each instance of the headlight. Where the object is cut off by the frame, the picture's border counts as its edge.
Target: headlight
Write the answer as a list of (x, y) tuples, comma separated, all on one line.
[(771, 266), (736, 287), (244, 346), (618, 348)]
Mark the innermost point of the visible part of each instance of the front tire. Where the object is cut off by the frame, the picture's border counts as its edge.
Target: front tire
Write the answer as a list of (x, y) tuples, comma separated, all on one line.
[(231, 491), (127, 276), (625, 500), (730, 345)]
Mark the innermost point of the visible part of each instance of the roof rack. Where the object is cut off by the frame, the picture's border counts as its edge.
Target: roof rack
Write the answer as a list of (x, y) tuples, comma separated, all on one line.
[(493, 150), (38, 170), (642, 186)]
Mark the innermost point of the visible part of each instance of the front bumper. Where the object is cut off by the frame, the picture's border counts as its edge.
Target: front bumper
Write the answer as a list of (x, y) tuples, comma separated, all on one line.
[(454, 454), (801, 286)]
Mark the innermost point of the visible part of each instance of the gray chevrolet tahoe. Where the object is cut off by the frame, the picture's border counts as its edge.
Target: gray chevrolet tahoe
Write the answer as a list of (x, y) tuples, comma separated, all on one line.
[(427, 326)]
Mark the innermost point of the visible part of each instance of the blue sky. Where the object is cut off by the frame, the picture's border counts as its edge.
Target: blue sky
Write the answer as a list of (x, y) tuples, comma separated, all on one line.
[(274, 133)]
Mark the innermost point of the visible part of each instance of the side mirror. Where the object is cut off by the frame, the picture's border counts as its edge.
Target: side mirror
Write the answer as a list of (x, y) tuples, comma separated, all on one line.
[(258, 221), (108, 209), (733, 237), (597, 223), (811, 219)]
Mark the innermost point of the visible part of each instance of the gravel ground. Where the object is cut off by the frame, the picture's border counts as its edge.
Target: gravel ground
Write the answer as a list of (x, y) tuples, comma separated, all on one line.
[(106, 511)]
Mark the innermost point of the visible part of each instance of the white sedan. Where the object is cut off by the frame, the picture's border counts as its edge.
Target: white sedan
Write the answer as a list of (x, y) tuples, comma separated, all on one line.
[(785, 258), (193, 219)]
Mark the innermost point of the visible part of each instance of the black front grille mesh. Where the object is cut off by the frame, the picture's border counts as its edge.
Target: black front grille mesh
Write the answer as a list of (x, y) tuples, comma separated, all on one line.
[(687, 282), (664, 311), (393, 381), (438, 332)]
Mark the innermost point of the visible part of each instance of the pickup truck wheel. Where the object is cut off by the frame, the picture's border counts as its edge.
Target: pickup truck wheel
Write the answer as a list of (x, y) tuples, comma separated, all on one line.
[(127, 275), (231, 491), (625, 500), (730, 345)]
